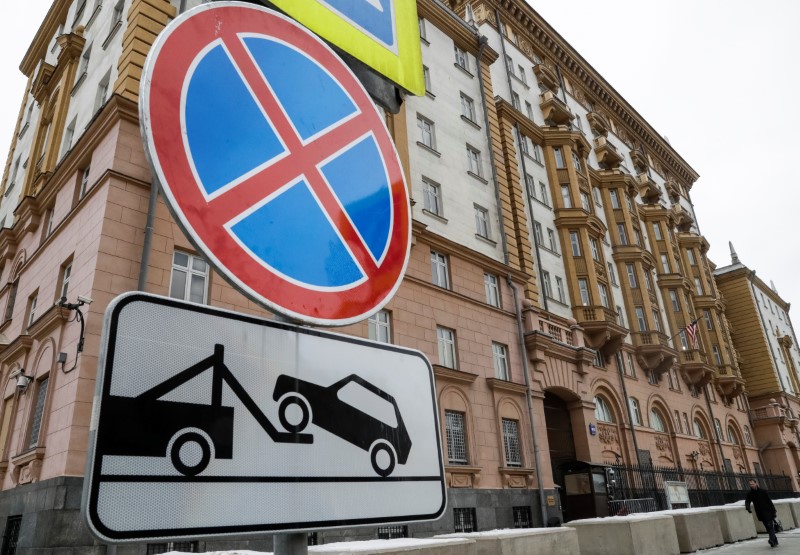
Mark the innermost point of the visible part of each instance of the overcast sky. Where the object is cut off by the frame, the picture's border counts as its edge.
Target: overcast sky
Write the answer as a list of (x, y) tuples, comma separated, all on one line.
[(719, 78)]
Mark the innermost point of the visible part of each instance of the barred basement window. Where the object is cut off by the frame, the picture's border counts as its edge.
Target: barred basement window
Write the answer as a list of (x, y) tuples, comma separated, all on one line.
[(511, 442), (11, 535), (313, 539), (465, 520), (186, 547), (456, 437), (392, 532), (522, 517)]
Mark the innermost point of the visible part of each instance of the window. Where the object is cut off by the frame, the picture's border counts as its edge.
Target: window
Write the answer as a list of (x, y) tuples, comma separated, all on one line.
[(656, 422), (523, 145), (596, 195), (83, 68), (637, 236), (692, 259), (631, 275), (678, 422), (614, 198), (731, 435), (551, 238), (426, 77), (748, 439), (431, 196), (657, 319), (68, 135), (530, 188), (673, 297), (427, 132), (537, 229), (189, 280), (422, 31), (612, 275), (67, 274), (559, 154), (623, 235), (12, 180), (79, 12), (602, 412), (515, 102), (500, 355), (565, 196), (640, 319), (636, 413), (575, 243), (439, 270), (481, 222), (543, 190), (492, 289), (102, 91), (84, 186), (648, 280), (576, 161), (380, 326), (50, 219), (446, 339), (474, 161), (522, 517), (698, 429), (560, 290), (717, 354), (456, 437), (391, 532), (537, 153), (548, 291), (583, 287), (709, 320), (511, 442), (594, 248), (603, 295), (116, 20), (465, 520), (529, 112), (462, 60), (620, 316), (628, 203), (665, 263), (38, 413), (684, 343), (509, 65), (11, 535), (698, 285), (657, 231), (521, 74), (585, 203), (467, 107), (631, 367), (12, 297), (32, 309), (166, 547)]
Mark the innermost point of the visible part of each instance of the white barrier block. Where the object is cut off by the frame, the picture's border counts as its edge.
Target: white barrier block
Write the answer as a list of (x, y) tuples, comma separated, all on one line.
[(786, 512), (404, 546), (734, 522), (696, 528), (653, 534), (553, 541)]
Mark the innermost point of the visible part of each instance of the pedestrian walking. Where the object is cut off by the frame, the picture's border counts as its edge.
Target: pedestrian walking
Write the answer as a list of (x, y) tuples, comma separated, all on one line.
[(765, 510)]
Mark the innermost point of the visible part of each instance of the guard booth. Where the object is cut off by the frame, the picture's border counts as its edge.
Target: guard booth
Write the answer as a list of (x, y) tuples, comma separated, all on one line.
[(586, 491)]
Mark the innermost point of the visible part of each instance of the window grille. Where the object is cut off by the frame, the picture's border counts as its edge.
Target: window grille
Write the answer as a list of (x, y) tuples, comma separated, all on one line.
[(464, 520), (187, 547), (392, 532), (11, 535), (456, 438), (511, 442), (522, 517)]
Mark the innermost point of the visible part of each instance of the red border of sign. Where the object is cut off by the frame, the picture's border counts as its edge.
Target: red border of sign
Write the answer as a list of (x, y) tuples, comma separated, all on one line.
[(166, 68)]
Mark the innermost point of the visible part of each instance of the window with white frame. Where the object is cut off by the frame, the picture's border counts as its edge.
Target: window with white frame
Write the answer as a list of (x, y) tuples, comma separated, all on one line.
[(698, 285), (594, 248), (84, 186), (698, 429), (583, 287), (511, 442), (731, 435), (690, 256), (562, 296), (79, 12), (431, 196), (102, 91), (529, 112), (575, 243), (69, 133), (500, 356), (462, 60), (636, 413), (623, 235), (521, 74), (665, 264), (628, 202), (446, 339), (620, 316), (439, 271), (427, 132), (603, 294), (657, 231), (546, 284), (612, 275), (38, 412), (536, 152), (50, 220), (380, 326), (467, 107), (551, 239), (748, 439), (426, 77), (189, 281), (585, 202), (602, 412), (559, 155), (631, 275), (474, 161), (83, 67), (640, 319), (66, 275), (537, 229), (656, 422), (709, 320), (481, 222), (648, 282), (631, 366), (530, 186), (614, 198), (657, 319), (673, 298), (543, 190), (455, 432), (423, 33), (565, 196), (524, 143), (492, 288), (576, 161), (515, 101), (32, 302), (717, 354)]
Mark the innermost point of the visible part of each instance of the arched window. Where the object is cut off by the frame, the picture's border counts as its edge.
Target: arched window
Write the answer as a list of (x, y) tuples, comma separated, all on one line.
[(698, 429), (601, 410), (636, 413), (718, 428), (731, 435), (656, 422), (748, 439)]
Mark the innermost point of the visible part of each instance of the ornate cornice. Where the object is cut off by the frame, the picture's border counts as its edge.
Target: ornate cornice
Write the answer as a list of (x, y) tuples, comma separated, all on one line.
[(38, 48)]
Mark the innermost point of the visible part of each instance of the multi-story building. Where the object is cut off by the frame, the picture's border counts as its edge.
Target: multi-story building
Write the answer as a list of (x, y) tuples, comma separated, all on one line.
[(766, 344), (556, 262)]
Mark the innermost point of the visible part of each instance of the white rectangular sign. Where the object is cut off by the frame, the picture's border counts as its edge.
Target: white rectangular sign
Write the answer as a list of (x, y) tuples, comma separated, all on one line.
[(211, 423)]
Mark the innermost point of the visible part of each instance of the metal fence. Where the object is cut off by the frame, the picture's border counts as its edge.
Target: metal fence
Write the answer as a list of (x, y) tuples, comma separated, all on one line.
[(629, 506), (638, 482)]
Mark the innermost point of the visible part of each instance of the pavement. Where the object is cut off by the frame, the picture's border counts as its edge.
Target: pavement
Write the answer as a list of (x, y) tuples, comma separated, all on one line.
[(789, 542)]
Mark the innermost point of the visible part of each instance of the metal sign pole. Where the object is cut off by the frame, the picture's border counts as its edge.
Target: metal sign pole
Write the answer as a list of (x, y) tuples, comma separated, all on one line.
[(290, 544)]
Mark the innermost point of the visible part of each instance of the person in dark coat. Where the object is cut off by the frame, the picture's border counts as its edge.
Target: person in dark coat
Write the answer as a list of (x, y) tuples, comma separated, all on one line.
[(765, 510)]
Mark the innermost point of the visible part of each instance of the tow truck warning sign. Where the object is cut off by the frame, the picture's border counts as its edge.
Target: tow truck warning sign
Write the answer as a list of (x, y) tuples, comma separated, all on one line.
[(211, 423)]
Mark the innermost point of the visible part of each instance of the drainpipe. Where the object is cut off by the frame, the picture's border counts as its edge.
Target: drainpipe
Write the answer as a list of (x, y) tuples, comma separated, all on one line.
[(528, 396)]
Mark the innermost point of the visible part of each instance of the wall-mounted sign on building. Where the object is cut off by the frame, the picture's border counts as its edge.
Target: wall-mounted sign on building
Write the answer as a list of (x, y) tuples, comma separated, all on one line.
[(276, 163)]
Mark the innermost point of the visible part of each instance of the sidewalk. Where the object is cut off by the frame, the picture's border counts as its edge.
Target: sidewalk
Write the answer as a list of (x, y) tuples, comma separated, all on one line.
[(789, 542)]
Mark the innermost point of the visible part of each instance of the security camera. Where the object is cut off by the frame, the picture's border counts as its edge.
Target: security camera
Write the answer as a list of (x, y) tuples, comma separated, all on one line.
[(84, 300)]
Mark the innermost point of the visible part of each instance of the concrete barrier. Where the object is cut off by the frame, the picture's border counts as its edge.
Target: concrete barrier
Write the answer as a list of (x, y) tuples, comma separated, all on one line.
[(795, 504), (404, 546), (653, 534), (787, 507), (734, 523), (696, 528), (553, 541)]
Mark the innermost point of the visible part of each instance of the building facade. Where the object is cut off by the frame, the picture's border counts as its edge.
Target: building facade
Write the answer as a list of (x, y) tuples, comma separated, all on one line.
[(556, 263)]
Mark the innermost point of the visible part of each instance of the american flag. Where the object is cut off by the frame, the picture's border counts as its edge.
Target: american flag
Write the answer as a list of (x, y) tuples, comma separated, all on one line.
[(691, 331)]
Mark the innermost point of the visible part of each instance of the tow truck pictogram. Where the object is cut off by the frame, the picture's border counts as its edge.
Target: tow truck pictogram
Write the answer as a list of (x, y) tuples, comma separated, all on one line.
[(148, 426)]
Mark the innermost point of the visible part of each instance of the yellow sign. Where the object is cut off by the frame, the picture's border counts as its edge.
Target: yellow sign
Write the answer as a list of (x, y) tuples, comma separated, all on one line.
[(384, 34), (551, 501)]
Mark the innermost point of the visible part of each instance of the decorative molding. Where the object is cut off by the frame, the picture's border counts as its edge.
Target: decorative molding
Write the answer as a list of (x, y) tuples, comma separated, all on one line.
[(458, 476), (453, 375)]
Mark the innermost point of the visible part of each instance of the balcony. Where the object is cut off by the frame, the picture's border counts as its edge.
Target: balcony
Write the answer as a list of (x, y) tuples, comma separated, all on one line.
[(648, 189), (683, 218), (546, 76), (673, 189), (653, 351), (729, 385), (639, 159), (773, 413), (598, 123), (608, 156), (601, 328), (555, 111), (695, 369)]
